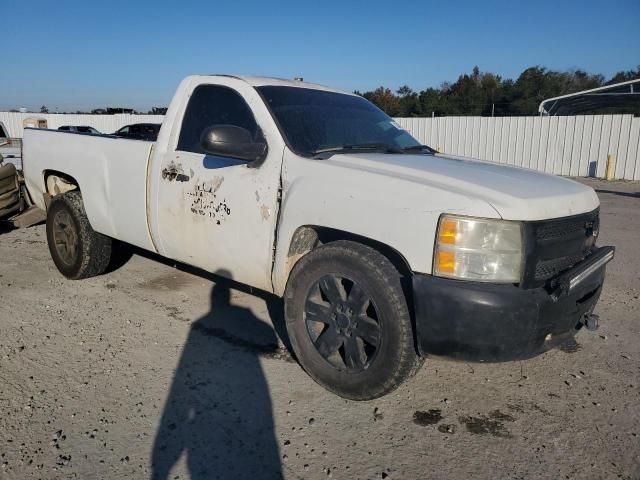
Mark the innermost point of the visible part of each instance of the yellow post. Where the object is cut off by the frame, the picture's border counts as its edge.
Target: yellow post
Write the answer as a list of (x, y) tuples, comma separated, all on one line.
[(611, 167)]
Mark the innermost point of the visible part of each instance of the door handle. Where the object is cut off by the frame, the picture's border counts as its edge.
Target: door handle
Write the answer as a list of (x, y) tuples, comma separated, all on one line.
[(171, 173)]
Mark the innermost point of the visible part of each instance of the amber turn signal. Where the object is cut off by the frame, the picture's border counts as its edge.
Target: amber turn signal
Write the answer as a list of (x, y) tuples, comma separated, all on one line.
[(445, 261), (447, 231)]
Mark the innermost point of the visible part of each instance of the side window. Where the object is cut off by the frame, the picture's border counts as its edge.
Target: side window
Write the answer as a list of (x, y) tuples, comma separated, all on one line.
[(64, 129), (123, 130), (3, 134), (213, 105)]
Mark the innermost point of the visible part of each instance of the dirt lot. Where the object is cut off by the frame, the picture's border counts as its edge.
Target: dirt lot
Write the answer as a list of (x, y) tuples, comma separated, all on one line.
[(152, 371)]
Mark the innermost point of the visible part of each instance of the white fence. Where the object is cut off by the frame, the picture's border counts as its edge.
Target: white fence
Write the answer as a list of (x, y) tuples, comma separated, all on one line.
[(14, 122), (575, 146)]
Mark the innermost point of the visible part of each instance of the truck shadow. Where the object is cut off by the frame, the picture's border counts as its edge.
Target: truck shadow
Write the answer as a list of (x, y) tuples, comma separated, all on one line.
[(218, 412)]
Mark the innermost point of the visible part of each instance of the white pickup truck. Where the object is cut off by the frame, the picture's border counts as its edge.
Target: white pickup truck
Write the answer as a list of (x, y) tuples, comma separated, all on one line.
[(383, 250)]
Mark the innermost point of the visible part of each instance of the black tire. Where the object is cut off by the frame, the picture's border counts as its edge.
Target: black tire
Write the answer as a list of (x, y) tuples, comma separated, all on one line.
[(79, 252), (370, 360)]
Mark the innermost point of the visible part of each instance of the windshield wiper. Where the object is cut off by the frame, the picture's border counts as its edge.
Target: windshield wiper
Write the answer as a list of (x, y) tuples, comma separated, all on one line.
[(413, 148), (383, 147)]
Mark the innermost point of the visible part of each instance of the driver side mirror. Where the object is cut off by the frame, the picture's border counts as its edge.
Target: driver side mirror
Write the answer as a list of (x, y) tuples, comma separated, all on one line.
[(232, 141)]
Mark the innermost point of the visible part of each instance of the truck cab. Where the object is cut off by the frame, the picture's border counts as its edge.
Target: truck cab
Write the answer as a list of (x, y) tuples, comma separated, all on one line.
[(383, 250)]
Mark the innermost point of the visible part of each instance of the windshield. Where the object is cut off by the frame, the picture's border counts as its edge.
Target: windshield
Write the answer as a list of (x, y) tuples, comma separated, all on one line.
[(315, 121)]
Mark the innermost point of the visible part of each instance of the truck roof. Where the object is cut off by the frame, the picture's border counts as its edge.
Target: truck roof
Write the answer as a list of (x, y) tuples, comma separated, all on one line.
[(256, 81)]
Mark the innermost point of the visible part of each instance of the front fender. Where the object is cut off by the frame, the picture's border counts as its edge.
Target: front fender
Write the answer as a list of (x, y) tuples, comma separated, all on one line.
[(396, 212)]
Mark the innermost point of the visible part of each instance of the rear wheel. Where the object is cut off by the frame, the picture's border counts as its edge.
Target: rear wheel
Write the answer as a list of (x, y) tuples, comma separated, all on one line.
[(76, 249), (348, 321)]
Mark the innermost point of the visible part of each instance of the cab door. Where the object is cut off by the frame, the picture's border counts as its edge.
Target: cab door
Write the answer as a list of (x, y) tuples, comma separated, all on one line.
[(219, 213)]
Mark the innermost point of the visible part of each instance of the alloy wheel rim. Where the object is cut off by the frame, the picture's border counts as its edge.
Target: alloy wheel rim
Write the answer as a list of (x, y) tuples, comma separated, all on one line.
[(343, 323), (65, 237)]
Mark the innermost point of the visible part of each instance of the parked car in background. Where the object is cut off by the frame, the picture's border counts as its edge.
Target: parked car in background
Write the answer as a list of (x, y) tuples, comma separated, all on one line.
[(9, 190), (140, 131), (14, 197), (10, 148), (79, 129), (4, 136)]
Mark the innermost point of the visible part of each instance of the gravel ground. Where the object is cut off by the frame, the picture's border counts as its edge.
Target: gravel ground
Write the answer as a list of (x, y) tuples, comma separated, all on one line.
[(152, 371)]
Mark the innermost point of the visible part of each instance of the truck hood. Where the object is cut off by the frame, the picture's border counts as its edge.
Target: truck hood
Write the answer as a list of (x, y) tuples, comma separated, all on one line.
[(515, 193)]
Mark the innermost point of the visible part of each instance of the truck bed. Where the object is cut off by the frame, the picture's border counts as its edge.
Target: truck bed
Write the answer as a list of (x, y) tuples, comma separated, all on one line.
[(113, 170)]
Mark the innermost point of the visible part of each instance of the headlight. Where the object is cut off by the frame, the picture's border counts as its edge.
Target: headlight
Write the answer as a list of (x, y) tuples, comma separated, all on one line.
[(478, 249)]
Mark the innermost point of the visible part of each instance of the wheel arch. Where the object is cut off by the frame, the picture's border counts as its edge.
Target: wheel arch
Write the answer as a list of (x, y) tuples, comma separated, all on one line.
[(57, 183), (306, 238)]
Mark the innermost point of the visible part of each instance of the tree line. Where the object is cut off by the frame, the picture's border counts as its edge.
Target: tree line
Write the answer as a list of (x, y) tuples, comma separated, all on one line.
[(486, 94), (476, 93), (109, 111)]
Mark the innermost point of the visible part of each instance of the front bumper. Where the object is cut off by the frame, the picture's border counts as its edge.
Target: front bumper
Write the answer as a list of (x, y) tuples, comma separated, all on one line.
[(489, 322)]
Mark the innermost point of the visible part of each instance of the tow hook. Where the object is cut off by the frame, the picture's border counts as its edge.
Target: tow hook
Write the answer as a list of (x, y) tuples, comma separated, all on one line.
[(590, 321)]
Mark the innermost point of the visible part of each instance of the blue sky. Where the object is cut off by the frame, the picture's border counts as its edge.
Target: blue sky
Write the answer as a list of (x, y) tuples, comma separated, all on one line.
[(87, 54)]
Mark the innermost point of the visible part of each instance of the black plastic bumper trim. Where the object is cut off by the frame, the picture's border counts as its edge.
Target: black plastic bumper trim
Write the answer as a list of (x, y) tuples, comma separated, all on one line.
[(475, 321)]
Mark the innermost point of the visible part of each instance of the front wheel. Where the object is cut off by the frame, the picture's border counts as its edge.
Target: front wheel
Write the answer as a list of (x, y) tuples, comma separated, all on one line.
[(348, 321)]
